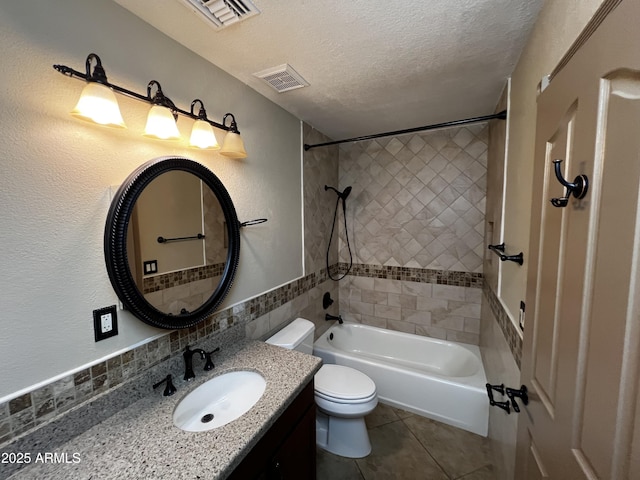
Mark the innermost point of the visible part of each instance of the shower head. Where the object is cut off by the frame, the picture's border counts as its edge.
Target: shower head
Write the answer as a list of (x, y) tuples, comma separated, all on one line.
[(343, 195)]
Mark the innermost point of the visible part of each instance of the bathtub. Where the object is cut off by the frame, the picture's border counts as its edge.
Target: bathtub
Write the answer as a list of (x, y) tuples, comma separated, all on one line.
[(438, 379)]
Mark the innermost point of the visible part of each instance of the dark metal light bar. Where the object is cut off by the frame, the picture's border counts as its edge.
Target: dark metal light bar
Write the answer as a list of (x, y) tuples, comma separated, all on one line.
[(101, 78), (501, 115)]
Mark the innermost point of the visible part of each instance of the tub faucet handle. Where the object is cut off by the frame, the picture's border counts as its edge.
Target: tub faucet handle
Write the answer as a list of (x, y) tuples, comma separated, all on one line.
[(169, 389)]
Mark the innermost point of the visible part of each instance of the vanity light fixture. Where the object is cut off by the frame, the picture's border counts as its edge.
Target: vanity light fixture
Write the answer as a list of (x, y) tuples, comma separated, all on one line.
[(232, 146), (97, 102), (161, 121), (202, 135)]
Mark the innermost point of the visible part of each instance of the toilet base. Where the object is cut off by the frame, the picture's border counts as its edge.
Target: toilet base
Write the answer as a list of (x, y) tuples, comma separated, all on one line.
[(346, 437)]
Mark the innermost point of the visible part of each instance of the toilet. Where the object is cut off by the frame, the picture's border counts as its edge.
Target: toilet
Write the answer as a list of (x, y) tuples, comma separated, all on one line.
[(343, 396)]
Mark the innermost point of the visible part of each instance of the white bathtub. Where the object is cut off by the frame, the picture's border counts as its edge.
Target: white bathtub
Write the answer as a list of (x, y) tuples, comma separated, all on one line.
[(438, 379)]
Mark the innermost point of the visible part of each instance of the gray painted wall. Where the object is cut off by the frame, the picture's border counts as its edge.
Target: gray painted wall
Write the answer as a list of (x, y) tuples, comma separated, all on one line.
[(56, 173)]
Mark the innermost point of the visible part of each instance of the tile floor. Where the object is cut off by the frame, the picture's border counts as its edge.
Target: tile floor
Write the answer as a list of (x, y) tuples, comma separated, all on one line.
[(410, 447)]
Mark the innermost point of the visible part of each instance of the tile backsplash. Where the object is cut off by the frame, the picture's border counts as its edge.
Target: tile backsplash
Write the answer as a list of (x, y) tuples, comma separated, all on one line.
[(33, 409)]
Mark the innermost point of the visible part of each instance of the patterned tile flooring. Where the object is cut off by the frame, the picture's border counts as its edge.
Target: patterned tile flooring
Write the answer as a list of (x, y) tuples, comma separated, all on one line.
[(410, 447)]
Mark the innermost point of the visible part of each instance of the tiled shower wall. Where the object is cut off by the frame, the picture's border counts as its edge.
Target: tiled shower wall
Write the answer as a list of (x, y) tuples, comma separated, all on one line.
[(417, 203)]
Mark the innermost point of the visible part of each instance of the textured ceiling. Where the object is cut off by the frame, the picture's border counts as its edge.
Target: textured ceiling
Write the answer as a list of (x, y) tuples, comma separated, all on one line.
[(373, 66)]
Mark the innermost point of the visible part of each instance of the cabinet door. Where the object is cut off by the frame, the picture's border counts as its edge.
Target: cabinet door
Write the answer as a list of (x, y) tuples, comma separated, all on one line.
[(296, 458)]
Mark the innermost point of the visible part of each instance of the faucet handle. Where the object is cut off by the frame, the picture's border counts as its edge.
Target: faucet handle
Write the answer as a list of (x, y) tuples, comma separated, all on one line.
[(169, 389), (209, 364)]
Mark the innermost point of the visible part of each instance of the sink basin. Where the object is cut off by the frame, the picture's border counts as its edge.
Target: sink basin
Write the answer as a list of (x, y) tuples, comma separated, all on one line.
[(219, 401)]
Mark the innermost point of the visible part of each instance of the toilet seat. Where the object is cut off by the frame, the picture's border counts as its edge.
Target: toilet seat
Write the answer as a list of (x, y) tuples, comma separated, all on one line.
[(341, 384), (329, 398)]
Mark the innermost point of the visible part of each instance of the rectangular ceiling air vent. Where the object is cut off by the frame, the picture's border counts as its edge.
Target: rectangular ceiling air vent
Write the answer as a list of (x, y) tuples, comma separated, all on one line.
[(222, 13), (282, 78)]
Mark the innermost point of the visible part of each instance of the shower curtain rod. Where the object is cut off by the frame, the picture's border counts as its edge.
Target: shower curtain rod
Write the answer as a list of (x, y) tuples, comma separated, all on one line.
[(500, 115)]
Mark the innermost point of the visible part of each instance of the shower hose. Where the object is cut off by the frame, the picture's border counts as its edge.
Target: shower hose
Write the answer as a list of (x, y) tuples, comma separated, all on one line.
[(333, 226)]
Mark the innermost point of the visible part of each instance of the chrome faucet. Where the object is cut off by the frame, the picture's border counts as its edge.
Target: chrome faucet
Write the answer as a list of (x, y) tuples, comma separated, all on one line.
[(188, 361)]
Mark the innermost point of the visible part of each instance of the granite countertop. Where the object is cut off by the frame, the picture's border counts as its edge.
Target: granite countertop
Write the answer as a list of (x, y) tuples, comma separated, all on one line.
[(141, 442)]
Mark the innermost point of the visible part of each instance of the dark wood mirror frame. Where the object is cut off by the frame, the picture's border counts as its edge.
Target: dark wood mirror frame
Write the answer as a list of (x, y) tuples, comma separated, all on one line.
[(115, 243)]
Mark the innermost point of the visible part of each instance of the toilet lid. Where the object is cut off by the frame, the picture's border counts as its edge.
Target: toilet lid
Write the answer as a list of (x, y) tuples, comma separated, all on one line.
[(343, 382)]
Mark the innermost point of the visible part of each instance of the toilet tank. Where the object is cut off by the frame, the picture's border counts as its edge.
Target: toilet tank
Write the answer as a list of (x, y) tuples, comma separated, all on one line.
[(298, 335)]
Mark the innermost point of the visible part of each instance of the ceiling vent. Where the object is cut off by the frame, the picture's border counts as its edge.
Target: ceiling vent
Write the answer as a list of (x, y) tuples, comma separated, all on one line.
[(222, 13), (282, 78)]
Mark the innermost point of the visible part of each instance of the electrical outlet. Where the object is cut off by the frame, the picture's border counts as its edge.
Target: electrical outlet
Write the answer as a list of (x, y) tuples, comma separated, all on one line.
[(521, 317), (105, 323)]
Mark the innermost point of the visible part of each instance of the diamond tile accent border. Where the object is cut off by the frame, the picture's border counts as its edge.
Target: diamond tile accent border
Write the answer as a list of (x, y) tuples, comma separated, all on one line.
[(506, 325)]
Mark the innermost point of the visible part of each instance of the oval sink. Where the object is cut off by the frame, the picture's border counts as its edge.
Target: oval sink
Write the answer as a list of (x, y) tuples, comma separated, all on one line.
[(219, 401)]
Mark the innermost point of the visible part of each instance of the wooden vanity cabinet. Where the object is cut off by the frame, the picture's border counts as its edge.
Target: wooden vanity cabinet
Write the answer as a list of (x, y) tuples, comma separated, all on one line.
[(288, 449)]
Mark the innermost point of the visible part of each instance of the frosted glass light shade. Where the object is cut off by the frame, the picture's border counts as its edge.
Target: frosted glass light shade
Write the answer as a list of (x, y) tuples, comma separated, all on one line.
[(161, 124), (202, 136), (233, 146), (98, 104)]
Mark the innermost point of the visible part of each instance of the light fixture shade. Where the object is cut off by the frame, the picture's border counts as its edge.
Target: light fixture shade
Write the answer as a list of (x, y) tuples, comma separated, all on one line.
[(98, 104), (233, 146), (161, 124), (202, 136)]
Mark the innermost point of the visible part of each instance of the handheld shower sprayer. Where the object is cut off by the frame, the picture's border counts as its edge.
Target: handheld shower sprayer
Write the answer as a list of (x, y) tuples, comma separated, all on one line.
[(341, 196)]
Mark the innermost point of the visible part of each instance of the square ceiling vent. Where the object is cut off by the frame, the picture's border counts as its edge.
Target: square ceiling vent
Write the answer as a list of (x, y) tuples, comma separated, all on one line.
[(222, 13), (282, 78)]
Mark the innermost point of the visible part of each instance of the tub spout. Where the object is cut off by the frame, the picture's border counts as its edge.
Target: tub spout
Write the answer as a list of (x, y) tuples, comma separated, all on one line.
[(333, 317)]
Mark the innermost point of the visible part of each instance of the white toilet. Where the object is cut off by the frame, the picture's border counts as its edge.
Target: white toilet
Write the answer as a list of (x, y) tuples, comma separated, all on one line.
[(343, 396)]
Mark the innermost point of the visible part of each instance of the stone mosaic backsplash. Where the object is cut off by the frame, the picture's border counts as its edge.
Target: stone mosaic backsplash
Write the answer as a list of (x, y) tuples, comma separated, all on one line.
[(509, 330), (181, 277), (31, 410), (409, 274)]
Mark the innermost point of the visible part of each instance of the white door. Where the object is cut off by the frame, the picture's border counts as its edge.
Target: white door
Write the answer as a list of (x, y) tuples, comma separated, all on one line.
[(581, 353)]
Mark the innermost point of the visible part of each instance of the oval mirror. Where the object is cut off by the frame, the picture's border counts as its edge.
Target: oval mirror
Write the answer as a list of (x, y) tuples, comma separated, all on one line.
[(172, 242)]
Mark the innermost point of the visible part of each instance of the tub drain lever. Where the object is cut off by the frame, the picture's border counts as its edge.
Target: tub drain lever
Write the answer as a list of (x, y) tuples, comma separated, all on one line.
[(500, 389)]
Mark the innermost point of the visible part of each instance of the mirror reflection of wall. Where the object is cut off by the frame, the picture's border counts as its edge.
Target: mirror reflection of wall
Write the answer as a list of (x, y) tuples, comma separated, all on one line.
[(177, 204)]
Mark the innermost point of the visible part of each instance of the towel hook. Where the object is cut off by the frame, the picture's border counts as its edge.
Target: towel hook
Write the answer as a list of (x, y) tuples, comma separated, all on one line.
[(578, 188)]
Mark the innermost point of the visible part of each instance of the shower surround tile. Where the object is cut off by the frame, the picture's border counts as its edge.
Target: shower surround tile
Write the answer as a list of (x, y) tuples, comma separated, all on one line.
[(417, 200), (415, 224), (410, 304), (320, 168)]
